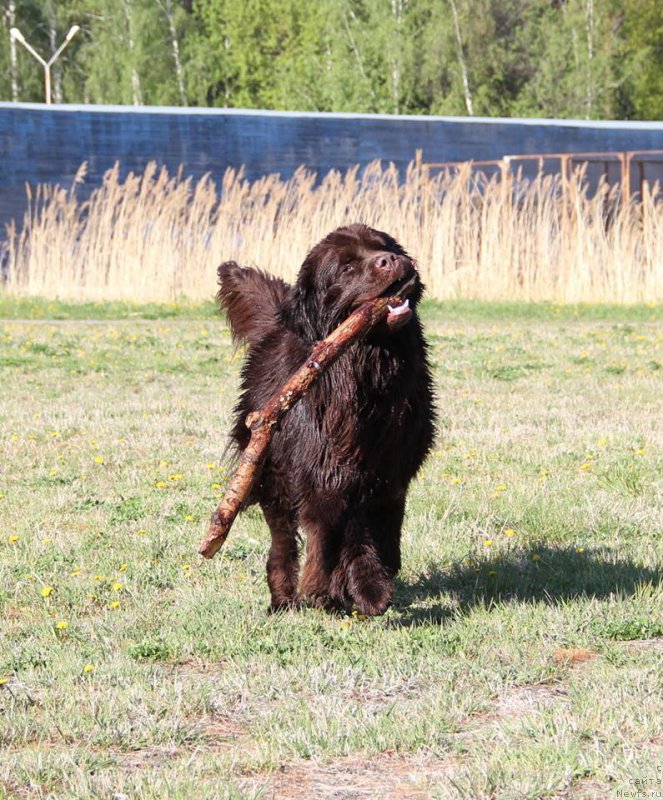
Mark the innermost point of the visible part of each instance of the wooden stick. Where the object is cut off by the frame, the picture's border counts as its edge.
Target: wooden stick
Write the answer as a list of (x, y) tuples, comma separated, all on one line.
[(262, 422)]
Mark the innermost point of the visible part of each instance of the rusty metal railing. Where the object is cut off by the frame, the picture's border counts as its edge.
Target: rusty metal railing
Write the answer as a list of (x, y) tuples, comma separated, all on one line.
[(625, 159)]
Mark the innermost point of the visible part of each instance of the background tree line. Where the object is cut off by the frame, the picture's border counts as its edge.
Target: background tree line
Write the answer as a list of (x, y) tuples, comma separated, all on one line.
[(589, 59)]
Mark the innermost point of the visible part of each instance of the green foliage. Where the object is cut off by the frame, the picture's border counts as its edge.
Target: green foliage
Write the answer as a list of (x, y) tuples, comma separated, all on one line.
[(630, 629), (575, 58), (641, 48)]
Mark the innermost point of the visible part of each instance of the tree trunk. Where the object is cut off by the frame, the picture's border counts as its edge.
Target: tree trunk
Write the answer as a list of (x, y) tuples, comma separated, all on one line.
[(135, 78), (53, 40), (461, 58), (13, 59), (589, 89), (167, 7), (397, 13)]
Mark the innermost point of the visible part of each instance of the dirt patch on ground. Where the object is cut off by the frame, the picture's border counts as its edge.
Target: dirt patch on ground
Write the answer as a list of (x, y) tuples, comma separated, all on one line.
[(389, 777), (521, 700), (644, 644)]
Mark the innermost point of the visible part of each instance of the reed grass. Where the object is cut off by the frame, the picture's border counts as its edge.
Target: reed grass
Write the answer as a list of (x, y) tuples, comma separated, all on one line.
[(156, 237)]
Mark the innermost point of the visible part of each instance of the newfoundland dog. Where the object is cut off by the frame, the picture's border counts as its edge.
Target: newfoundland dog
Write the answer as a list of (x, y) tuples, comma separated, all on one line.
[(341, 460)]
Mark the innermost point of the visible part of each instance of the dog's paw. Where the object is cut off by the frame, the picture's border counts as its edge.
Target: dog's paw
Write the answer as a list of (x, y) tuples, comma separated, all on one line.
[(373, 598), (289, 605)]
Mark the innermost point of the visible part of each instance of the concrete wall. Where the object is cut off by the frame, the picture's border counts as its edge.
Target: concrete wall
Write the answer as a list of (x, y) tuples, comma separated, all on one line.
[(41, 144)]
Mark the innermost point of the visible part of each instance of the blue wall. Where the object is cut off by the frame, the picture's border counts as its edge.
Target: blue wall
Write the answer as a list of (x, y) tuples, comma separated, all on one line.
[(47, 144)]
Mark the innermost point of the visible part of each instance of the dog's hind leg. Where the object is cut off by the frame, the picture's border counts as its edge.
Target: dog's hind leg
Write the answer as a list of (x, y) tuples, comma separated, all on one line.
[(321, 520), (283, 560)]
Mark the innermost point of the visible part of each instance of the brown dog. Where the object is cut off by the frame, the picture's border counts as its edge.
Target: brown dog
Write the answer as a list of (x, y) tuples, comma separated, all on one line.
[(341, 461)]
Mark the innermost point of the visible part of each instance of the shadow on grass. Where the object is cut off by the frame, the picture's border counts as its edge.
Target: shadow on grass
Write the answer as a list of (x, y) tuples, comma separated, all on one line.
[(540, 574)]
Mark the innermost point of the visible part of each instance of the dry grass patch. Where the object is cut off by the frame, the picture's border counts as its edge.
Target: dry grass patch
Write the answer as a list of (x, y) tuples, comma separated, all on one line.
[(155, 237)]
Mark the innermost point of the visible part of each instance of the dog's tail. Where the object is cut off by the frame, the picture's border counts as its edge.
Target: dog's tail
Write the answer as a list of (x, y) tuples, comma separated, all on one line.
[(251, 299)]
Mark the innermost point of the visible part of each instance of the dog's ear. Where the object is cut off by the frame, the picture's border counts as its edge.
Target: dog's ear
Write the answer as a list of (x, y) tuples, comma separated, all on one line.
[(251, 299)]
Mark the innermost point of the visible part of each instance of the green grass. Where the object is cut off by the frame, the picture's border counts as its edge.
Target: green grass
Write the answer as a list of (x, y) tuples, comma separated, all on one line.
[(43, 309), (521, 658), (40, 308)]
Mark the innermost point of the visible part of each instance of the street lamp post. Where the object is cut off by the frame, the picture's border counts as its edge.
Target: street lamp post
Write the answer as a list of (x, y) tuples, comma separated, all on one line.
[(18, 36)]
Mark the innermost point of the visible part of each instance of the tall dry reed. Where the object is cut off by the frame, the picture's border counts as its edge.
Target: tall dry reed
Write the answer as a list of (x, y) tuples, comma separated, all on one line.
[(155, 237)]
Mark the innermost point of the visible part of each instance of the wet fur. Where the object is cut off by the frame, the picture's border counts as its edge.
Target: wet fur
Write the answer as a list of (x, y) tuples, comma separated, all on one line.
[(340, 463)]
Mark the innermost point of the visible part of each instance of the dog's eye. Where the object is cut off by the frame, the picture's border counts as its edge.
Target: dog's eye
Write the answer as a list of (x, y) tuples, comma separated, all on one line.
[(347, 266)]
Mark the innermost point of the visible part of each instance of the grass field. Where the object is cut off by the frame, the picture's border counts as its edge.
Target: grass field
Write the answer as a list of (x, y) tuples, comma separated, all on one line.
[(522, 657)]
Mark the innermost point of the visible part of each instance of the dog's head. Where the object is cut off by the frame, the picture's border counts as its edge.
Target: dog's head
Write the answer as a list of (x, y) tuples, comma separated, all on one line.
[(349, 266)]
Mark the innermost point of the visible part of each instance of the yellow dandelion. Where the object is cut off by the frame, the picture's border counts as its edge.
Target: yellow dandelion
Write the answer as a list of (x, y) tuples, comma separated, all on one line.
[(88, 668), (455, 481), (602, 442), (586, 467), (175, 477), (62, 625), (189, 518), (580, 549), (163, 463), (47, 591), (99, 578), (211, 465), (122, 568), (640, 451), (186, 567), (75, 571), (217, 486), (114, 604), (488, 542), (117, 587), (13, 539), (500, 488), (52, 473), (509, 532), (141, 532), (361, 617), (4, 679), (161, 484), (346, 623), (99, 460), (536, 558)]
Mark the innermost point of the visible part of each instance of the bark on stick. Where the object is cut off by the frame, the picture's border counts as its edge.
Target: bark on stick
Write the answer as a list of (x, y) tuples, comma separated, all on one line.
[(261, 423)]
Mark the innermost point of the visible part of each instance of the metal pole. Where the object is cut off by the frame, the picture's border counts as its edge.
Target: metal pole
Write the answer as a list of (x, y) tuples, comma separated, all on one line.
[(47, 82)]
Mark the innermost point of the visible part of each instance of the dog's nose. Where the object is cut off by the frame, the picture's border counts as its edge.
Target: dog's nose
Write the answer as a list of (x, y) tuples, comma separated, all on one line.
[(386, 261)]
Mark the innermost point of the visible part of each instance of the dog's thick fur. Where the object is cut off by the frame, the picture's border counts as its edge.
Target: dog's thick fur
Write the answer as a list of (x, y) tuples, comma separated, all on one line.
[(340, 463)]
